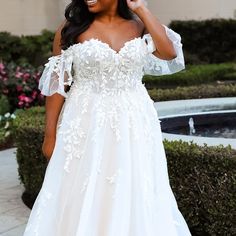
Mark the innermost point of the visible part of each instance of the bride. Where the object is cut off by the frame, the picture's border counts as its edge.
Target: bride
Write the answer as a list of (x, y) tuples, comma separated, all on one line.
[(107, 171)]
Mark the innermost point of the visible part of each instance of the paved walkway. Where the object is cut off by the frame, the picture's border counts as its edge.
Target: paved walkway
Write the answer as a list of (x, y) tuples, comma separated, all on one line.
[(13, 213)]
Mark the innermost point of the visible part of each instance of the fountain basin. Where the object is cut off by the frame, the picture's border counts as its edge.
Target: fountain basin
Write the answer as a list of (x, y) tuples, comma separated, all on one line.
[(215, 124), (214, 120)]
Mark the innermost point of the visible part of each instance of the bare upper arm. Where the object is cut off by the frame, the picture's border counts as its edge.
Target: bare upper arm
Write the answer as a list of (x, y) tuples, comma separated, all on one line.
[(57, 40)]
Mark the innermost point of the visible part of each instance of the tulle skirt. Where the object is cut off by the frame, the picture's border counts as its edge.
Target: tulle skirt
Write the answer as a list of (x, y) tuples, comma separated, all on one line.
[(108, 172)]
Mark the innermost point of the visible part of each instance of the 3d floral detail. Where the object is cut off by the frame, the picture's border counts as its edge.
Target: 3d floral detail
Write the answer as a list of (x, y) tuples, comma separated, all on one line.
[(72, 137), (112, 179)]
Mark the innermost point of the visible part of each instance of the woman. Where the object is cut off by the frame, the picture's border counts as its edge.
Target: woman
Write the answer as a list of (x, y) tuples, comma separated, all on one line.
[(107, 173)]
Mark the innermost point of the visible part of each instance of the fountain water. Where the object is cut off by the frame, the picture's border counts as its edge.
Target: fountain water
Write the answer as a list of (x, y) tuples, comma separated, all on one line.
[(191, 126)]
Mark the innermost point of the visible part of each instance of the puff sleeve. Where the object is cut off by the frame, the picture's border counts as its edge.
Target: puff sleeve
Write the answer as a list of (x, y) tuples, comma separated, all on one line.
[(57, 73), (157, 66)]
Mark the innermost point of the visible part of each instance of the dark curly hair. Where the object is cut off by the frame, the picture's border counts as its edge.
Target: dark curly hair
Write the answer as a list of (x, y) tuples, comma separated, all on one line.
[(79, 18)]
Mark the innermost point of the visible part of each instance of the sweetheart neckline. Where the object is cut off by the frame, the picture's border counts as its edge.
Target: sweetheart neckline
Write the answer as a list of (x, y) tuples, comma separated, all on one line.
[(104, 43)]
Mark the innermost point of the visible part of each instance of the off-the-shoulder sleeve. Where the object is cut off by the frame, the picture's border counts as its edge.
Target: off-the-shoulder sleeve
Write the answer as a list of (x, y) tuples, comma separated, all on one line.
[(157, 66), (57, 73)]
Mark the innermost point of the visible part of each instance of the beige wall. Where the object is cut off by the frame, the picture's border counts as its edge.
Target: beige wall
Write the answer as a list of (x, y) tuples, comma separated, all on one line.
[(28, 16), (167, 10), (31, 16)]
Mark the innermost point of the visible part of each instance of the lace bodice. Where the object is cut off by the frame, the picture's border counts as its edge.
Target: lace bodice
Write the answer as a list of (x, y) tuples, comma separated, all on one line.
[(94, 65)]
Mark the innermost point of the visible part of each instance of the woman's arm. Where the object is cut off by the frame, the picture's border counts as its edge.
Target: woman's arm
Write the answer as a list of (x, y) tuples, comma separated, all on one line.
[(164, 47), (53, 107)]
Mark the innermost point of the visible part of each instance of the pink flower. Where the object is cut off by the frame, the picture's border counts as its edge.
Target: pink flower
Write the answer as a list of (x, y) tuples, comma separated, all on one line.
[(20, 103), (18, 74), (34, 94), (26, 76), (24, 98), (28, 99), (2, 67), (19, 88), (5, 91), (21, 97)]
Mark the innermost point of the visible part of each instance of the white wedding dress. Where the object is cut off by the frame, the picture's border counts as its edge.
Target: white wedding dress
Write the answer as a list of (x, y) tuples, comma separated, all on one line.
[(108, 173)]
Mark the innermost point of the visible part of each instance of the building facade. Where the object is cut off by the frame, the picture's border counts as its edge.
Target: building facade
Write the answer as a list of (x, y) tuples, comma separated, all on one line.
[(29, 17)]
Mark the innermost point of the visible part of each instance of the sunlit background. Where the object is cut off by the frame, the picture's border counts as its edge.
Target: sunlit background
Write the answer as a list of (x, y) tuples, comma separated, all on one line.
[(30, 16)]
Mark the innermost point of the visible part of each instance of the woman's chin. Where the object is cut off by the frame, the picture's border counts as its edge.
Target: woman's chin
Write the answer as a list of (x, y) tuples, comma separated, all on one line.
[(91, 3)]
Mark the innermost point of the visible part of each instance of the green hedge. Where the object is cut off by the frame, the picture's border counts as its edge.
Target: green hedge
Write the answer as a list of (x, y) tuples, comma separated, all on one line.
[(193, 75), (207, 41), (204, 182), (203, 179), (28, 130), (33, 49), (193, 92)]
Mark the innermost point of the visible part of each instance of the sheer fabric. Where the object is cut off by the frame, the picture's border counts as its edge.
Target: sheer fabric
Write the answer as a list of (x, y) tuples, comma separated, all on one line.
[(157, 66), (57, 74)]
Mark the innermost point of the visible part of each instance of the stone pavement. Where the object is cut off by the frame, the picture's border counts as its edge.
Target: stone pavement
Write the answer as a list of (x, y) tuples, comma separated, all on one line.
[(13, 213)]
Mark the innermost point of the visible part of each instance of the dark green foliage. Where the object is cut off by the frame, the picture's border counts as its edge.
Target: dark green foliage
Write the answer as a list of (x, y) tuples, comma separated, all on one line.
[(4, 105), (207, 41), (33, 49), (9, 47), (204, 182), (193, 92), (193, 75), (28, 130)]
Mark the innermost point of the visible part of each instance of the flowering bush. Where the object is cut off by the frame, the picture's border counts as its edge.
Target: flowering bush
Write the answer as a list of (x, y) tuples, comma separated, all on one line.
[(6, 138), (20, 85)]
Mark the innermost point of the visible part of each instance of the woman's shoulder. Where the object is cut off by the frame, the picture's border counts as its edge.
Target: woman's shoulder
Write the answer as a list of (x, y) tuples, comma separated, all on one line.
[(140, 25)]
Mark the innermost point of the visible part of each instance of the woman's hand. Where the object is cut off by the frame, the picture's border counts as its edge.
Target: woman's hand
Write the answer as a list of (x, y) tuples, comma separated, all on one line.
[(135, 4), (48, 146)]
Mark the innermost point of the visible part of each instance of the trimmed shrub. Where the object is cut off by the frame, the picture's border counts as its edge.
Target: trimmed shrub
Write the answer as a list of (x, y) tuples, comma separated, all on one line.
[(193, 92), (193, 75), (28, 130), (204, 182), (207, 41), (203, 179), (9, 47), (33, 49)]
